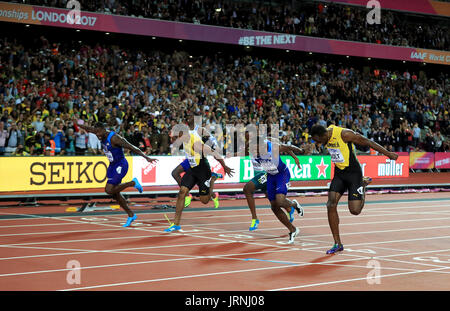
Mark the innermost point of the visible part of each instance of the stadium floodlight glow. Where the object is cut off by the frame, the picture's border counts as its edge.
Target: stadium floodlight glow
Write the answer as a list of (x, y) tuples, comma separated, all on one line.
[(190, 56)]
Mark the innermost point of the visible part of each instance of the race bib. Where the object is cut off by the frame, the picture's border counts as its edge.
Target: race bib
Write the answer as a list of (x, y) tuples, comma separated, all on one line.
[(109, 155), (336, 155), (192, 161), (263, 179)]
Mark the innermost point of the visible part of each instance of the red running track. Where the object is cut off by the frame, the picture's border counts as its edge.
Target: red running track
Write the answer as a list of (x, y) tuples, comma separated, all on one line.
[(399, 242)]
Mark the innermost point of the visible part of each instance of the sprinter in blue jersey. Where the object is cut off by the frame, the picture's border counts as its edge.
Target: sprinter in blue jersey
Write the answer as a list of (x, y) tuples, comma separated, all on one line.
[(278, 178), (113, 145)]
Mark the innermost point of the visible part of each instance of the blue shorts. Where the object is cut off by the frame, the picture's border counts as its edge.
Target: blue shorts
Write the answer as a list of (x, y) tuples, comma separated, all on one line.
[(277, 184), (117, 171), (185, 164)]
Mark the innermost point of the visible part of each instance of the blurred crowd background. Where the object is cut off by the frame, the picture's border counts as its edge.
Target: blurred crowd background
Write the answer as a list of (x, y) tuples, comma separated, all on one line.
[(142, 90)]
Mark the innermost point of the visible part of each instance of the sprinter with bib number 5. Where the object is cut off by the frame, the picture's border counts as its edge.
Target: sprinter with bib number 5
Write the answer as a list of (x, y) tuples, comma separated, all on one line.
[(348, 176)]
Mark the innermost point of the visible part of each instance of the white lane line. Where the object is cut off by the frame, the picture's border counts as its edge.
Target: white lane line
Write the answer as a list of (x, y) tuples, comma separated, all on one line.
[(357, 279), (231, 223)]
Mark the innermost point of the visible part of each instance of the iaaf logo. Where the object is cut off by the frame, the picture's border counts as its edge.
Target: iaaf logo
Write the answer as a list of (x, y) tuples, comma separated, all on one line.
[(418, 55), (390, 168), (149, 173)]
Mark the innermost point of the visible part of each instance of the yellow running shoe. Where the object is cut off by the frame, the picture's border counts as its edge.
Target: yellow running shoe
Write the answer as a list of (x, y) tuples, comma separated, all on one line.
[(187, 200), (216, 200), (254, 225)]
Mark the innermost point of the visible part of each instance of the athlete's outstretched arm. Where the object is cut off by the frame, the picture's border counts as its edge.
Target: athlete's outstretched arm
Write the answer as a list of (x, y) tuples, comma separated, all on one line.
[(350, 136), (291, 151), (119, 141), (208, 151), (89, 129)]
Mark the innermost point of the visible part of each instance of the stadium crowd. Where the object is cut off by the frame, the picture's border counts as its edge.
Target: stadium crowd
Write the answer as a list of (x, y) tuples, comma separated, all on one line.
[(309, 18), (143, 93)]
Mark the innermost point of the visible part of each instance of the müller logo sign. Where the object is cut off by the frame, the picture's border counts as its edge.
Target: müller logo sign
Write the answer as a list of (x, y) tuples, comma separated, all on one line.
[(382, 167), (390, 168)]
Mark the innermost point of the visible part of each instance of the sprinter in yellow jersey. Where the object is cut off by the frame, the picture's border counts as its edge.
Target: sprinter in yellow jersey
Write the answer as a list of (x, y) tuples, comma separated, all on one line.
[(185, 166), (347, 174), (199, 173)]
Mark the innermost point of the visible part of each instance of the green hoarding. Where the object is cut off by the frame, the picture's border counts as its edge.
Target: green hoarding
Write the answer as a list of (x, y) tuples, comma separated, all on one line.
[(312, 168)]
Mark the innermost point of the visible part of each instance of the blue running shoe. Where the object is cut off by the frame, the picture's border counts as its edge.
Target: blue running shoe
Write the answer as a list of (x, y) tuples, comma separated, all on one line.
[(291, 214), (218, 175), (172, 228), (254, 225), (336, 248), (137, 185), (130, 220)]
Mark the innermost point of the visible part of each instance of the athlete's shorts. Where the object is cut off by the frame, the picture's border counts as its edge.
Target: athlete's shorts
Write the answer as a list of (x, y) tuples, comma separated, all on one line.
[(117, 171), (185, 164), (200, 176), (260, 181), (351, 181), (278, 184)]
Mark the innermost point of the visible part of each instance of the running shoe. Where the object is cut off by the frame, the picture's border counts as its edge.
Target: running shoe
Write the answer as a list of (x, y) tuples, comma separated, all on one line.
[(172, 228), (216, 200), (187, 200), (254, 225), (291, 214), (217, 175), (366, 181), (336, 248), (130, 220), (292, 235), (137, 185), (298, 208)]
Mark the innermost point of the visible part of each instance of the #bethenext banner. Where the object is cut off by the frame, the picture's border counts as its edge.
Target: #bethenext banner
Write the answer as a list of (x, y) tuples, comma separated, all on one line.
[(79, 19)]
